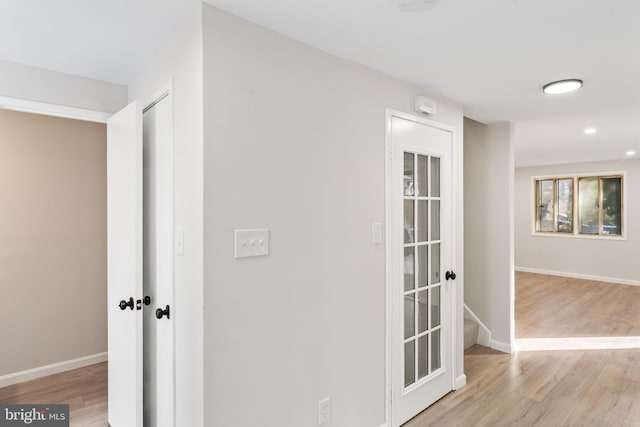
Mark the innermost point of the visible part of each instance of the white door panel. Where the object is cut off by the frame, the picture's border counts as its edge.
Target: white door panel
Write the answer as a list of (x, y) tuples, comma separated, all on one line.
[(420, 249), (124, 236), (159, 353)]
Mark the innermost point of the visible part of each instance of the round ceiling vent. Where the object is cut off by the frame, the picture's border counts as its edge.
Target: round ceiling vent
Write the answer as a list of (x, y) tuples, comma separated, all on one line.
[(411, 5)]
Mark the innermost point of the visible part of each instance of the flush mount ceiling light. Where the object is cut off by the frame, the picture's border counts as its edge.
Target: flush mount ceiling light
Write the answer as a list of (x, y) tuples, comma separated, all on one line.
[(631, 153), (562, 86), (590, 131), (411, 5)]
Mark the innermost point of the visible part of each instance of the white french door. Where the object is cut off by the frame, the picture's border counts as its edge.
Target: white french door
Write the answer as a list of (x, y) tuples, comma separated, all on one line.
[(124, 266), (420, 233)]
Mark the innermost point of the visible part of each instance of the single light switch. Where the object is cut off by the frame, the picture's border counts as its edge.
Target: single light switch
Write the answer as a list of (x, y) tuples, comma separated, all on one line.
[(376, 233), (252, 243)]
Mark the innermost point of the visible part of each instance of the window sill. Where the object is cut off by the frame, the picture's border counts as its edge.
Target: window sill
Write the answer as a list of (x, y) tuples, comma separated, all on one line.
[(580, 236)]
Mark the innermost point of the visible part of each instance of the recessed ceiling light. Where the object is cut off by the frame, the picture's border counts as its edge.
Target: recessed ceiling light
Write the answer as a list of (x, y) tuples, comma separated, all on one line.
[(562, 86), (631, 153), (590, 131)]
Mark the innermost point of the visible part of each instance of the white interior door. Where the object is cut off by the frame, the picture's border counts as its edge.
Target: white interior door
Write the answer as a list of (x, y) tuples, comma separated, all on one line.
[(420, 250), (159, 359), (124, 270)]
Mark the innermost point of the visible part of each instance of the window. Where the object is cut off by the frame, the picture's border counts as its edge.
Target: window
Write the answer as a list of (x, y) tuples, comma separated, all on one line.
[(598, 198)]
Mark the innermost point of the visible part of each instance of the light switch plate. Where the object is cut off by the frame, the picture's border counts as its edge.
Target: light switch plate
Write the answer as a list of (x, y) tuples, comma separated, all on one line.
[(253, 242)]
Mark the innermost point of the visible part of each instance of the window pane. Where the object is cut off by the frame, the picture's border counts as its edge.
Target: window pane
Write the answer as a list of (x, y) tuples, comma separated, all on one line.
[(423, 176), (544, 203), (435, 350), (409, 268), (435, 177), (435, 220), (423, 215), (423, 266), (564, 205), (435, 307), (409, 316), (408, 221), (589, 206), (435, 264), (409, 363), (423, 311), (423, 356), (408, 174), (612, 206)]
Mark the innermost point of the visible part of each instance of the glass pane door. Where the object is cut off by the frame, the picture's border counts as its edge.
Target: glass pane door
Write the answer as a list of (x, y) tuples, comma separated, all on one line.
[(421, 306)]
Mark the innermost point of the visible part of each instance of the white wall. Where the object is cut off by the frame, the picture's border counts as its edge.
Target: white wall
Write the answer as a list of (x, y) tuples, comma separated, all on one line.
[(601, 259), (52, 87), (295, 142), (53, 243), (181, 60), (488, 223)]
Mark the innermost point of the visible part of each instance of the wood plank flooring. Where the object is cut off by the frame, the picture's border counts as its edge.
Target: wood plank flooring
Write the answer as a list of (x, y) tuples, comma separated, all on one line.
[(598, 388), (541, 388), (84, 389)]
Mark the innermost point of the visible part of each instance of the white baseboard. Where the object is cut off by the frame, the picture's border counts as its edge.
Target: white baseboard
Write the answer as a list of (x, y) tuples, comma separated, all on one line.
[(460, 381), (484, 334), (579, 276), (54, 368), (502, 346)]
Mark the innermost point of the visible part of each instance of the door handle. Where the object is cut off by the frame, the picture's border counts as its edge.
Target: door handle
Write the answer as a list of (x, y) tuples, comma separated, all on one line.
[(450, 275), (160, 313), (124, 304), (146, 300)]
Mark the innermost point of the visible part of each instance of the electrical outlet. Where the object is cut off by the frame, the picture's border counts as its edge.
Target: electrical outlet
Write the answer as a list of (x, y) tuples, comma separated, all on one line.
[(324, 410)]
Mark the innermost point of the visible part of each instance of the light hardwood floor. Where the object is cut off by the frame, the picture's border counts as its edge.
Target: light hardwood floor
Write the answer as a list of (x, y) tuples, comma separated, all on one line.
[(84, 390), (597, 388)]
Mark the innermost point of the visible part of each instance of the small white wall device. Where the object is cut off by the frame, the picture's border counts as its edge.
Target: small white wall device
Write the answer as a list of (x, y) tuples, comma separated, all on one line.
[(425, 105), (413, 5)]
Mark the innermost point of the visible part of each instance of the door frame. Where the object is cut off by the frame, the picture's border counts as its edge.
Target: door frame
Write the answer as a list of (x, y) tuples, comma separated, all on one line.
[(456, 286)]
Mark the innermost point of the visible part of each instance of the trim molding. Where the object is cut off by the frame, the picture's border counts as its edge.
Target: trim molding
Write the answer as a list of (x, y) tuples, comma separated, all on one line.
[(503, 347), (54, 368), (461, 381), (484, 334), (579, 276), (53, 110)]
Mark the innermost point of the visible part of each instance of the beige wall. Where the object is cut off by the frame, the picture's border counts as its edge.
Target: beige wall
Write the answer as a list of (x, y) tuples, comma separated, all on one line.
[(603, 259), (294, 141), (52, 240), (488, 223)]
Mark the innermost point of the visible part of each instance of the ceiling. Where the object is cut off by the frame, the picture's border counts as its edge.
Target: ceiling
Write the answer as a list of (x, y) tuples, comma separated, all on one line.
[(493, 55)]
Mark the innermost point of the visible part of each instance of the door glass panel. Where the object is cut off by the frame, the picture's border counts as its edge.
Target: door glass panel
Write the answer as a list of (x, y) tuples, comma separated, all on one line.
[(435, 350), (423, 266), (423, 177), (423, 356), (435, 263), (409, 363), (409, 269), (423, 311), (423, 215), (435, 177), (435, 220), (408, 222), (421, 302), (409, 178), (409, 316), (435, 307)]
